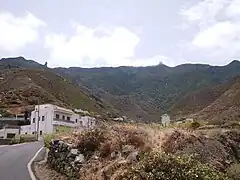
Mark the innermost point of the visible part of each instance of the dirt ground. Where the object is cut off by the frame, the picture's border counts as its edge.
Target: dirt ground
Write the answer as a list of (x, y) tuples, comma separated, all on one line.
[(45, 173)]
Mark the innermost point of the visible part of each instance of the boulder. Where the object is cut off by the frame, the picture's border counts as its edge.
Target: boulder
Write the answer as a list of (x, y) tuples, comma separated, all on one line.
[(133, 157), (79, 159)]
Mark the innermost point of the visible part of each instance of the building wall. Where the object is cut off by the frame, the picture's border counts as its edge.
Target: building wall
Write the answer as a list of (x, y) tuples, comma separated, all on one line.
[(7, 131), (51, 116), (165, 120)]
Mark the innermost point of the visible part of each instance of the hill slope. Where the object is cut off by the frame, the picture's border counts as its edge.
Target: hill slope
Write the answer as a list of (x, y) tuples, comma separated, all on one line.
[(142, 93), (23, 87), (154, 90), (225, 108), (214, 103)]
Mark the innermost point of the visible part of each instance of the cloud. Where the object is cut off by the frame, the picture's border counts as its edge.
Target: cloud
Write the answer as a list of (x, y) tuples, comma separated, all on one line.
[(17, 32), (218, 26), (94, 47)]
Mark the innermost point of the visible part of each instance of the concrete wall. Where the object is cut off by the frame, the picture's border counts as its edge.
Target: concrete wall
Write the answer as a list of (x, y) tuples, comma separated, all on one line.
[(4, 133)]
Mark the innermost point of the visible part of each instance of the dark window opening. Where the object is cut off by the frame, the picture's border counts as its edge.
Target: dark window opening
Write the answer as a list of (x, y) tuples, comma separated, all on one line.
[(40, 133), (63, 117), (43, 118), (57, 116), (33, 120), (25, 132), (10, 135), (76, 120), (68, 118), (33, 133), (81, 123)]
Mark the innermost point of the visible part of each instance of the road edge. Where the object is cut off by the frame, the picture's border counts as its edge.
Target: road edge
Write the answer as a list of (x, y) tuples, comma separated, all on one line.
[(29, 166)]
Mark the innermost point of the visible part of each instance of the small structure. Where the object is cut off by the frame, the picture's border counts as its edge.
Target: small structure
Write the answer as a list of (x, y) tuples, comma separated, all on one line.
[(9, 131), (47, 117), (165, 120)]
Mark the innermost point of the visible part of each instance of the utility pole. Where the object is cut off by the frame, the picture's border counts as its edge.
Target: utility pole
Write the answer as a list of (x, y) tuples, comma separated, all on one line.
[(38, 119)]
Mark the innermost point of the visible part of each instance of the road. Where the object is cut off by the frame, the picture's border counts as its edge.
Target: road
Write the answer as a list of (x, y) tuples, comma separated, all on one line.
[(14, 160)]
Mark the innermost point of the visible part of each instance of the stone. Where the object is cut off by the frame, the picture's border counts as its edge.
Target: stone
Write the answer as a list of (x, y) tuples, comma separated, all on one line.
[(133, 157), (73, 153), (79, 159), (54, 141), (115, 154)]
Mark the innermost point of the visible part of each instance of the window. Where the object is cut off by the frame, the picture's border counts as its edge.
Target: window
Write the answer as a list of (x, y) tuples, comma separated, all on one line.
[(33, 133), (25, 132), (38, 118), (76, 120), (68, 118), (81, 123), (40, 133), (57, 116), (63, 118), (43, 117), (33, 120)]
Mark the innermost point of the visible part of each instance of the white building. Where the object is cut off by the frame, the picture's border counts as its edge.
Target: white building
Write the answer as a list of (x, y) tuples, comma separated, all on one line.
[(165, 119), (9, 131), (46, 117)]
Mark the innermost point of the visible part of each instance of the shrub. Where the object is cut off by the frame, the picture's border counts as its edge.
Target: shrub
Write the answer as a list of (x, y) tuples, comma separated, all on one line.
[(27, 138), (234, 171), (90, 141), (47, 139), (194, 125), (161, 166), (15, 140)]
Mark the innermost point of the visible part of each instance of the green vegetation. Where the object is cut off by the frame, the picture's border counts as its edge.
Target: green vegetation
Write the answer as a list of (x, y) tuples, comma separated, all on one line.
[(23, 139), (150, 91), (162, 166), (63, 129)]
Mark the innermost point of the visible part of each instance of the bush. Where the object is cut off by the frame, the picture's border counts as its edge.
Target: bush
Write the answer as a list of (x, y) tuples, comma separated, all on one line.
[(162, 166), (15, 140), (234, 172), (27, 138), (194, 125), (90, 141), (47, 139)]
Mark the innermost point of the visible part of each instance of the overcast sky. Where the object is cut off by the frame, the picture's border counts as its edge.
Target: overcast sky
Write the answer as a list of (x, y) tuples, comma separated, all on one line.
[(95, 33)]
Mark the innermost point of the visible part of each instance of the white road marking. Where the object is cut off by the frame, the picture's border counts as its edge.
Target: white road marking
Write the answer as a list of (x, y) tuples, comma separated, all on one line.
[(3, 146), (33, 177)]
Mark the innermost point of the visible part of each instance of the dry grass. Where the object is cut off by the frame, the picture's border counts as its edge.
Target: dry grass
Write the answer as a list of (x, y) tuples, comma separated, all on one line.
[(107, 157)]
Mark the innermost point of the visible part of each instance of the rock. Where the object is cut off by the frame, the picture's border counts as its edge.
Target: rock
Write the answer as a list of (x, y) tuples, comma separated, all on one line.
[(115, 154), (79, 159), (54, 141), (133, 157), (73, 153)]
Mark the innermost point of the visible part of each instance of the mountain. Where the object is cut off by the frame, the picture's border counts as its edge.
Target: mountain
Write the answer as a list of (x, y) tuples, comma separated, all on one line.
[(214, 103), (226, 107), (142, 93), (19, 62), (26, 83), (147, 92)]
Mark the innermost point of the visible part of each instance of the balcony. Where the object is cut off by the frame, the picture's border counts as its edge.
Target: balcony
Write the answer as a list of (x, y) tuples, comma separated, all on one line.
[(63, 122)]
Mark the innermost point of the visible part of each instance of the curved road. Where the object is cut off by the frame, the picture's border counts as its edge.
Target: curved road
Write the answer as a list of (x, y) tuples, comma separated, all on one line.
[(14, 160)]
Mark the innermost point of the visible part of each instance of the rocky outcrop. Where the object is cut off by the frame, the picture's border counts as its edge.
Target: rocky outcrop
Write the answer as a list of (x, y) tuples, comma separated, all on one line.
[(65, 159)]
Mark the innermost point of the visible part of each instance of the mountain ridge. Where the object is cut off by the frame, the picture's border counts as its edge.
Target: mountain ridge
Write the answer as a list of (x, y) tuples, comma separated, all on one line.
[(143, 93)]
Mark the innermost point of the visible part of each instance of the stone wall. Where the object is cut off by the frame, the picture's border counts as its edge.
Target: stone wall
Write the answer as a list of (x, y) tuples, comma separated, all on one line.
[(65, 159)]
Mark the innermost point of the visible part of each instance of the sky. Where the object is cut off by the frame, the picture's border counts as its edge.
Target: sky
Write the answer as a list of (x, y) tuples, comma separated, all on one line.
[(97, 33)]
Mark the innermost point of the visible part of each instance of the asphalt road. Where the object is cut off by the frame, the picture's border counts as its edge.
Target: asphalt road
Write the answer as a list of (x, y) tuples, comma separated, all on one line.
[(14, 160)]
